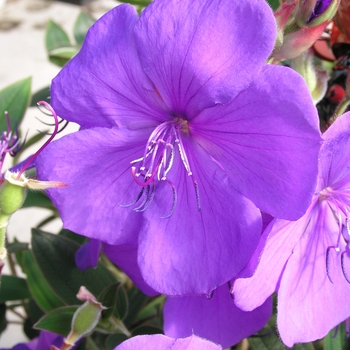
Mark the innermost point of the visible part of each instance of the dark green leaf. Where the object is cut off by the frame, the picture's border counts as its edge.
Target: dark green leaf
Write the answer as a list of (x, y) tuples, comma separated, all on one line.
[(73, 236), (114, 340), (108, 299), (82, 24), (38, 287), (38, 199), (122, 304), (46, 220), (57, 321), (55, 255), (16, 247), (41, 95), (28, 329), (33, 310), (55, 37), (3, 321), (151, 309), (137, 300), (274, 4), (337, 339), (13, 288), (146, 330), (14, 99)]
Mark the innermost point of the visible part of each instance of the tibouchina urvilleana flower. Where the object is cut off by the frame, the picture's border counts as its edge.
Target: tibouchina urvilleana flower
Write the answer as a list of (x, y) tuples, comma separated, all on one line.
[(185, 132), (308, 261), (162, 342)]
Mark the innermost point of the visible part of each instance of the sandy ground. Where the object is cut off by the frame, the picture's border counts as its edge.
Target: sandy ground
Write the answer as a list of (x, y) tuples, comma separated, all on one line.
[(23, 54)]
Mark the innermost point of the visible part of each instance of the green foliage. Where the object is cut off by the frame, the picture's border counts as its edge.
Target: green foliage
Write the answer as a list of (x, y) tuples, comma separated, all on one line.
[(39, 289), (58, 45), (274, 4), (13, 288), (82, 25), (58, 320), (14, 99), (55, 256), (337, 339)]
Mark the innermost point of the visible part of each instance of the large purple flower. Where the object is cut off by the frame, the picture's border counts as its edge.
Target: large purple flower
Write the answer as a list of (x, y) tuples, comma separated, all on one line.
[(183, 129), (308, 261)]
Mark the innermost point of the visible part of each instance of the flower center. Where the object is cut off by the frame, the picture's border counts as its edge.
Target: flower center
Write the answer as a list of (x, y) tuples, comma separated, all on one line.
[(157, 161), (339, 202)]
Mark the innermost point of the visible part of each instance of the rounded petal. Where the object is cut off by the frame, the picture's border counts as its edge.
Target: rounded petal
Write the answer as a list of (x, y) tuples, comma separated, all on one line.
[(95, 165), (216, 319), (309, 304), (179, 41), (267, 139), (194, 251), (162, 342), (104, 84), (281, 237), (125, 257)]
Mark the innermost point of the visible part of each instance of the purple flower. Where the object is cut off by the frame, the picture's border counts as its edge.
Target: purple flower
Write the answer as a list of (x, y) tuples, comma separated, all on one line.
[(216, 318), (162, 342), (308, 261), (183, 128)]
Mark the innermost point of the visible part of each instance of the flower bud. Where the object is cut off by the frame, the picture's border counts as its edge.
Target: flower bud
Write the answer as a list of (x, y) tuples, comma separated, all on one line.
[(11, 197), (316, 79), (85, 318)]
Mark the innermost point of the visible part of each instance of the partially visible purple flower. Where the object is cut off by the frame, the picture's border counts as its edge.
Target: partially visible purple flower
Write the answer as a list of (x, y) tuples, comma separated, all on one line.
[(162, 342), (215, 318), (308, 261), (42, 342), (184, 128)]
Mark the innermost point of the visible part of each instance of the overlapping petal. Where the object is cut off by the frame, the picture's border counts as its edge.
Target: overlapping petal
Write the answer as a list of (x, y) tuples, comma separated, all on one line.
[(104, 85), (267, 139), (91, 204), (216, 319), (162, 342), (179, 41), (281, 237), (310, 305), (125, 257), (193, 251)]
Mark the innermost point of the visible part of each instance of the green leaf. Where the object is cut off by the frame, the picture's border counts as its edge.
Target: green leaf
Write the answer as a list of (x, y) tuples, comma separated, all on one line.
[(122, 304), (82, 24), (146, 330), (108, 299), (73, 236), (57, 321), (41, 95), (16, 247), (337, 339), (3, 321), (55, 37), (274, 4), (152, 308), (13, 288), (38, 287), (14, 99), (114, 340), (28, 329), (137, 300), (62, 55), (38, 199), (55, 256)]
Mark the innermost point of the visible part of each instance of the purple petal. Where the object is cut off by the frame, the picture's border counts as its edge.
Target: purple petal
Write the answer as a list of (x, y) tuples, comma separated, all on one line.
[(179, 41), (88, 254), (104, 84), (309, 305), (216, 242), (267, 139), (125, 257), (95, 165), (282, 236), (162, 342), (216, 319)]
